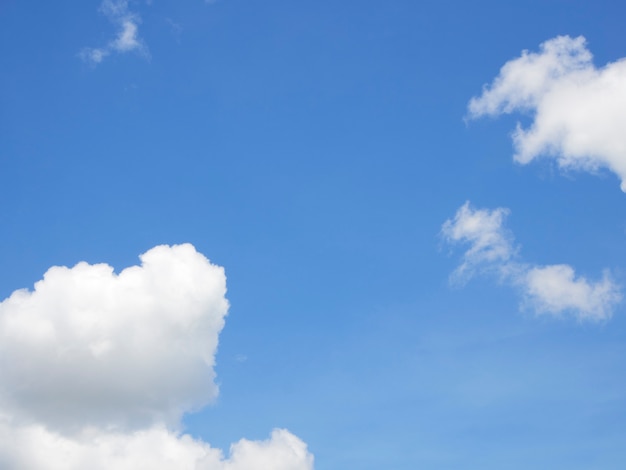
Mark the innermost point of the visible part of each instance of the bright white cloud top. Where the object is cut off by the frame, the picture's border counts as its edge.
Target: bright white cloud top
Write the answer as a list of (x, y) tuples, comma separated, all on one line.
[(111, 337), (127, 38), (578, 110), (98, 369), (552, 289)]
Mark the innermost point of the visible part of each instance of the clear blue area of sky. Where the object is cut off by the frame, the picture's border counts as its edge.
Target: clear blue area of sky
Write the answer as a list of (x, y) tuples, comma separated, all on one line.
[(314, 149)]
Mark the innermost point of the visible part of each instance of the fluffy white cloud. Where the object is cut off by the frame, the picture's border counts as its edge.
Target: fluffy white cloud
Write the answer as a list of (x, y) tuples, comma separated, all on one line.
[(578, 110), (36, 448), (553, 289), (118, 350), (127, 38), (97, 369)]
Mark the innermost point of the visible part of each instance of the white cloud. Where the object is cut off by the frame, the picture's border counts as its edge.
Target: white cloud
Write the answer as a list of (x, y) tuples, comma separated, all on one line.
[(578, 110), (553, 289), (98, 368), (90, 343), (36, 448), (482, 229), (127, 38)]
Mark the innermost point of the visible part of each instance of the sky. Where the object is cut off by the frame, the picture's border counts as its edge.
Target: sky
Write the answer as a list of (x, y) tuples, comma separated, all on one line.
[(312, 235)]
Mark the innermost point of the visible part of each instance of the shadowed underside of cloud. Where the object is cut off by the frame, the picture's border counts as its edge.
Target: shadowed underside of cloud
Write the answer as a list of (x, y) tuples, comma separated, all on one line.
[(578, 110), (127, 38), (552, 289), (98, 369)]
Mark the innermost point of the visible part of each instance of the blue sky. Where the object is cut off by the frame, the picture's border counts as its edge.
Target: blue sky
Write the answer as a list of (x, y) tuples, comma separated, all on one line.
[(315, 150)]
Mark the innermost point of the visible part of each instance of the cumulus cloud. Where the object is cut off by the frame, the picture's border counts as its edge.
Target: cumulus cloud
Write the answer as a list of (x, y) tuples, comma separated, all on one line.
[(36, 448), (88, 342), (98, 369), (578, 110), (552, 289), (127, 38)]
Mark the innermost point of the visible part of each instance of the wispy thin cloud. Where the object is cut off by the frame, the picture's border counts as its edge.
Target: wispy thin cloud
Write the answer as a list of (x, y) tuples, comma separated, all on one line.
[(578, 109), (551, 289), (127, 38), (481, 229)]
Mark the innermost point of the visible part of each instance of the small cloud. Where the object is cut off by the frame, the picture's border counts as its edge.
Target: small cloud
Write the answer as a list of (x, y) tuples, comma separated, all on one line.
[(94, 56), (127, 38), (241, 358), (552, 289), (578, 109), (482, 230)]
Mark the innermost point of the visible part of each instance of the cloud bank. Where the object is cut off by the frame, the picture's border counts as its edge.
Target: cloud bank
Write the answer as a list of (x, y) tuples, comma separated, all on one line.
[(98, 369), (552, 289), (578, 110), (127, 38)]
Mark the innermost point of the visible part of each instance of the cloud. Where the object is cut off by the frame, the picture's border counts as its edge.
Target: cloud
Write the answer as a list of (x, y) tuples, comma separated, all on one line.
[(482, 230), (36, 448), (577, 109), (127, 38), (552, 289), (98, 369)]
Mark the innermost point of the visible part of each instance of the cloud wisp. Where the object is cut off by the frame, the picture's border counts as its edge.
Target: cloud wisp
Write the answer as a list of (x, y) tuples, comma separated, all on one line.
[(99, 368), (578, 110), (489, 244), (127, 38), (551, 289)]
